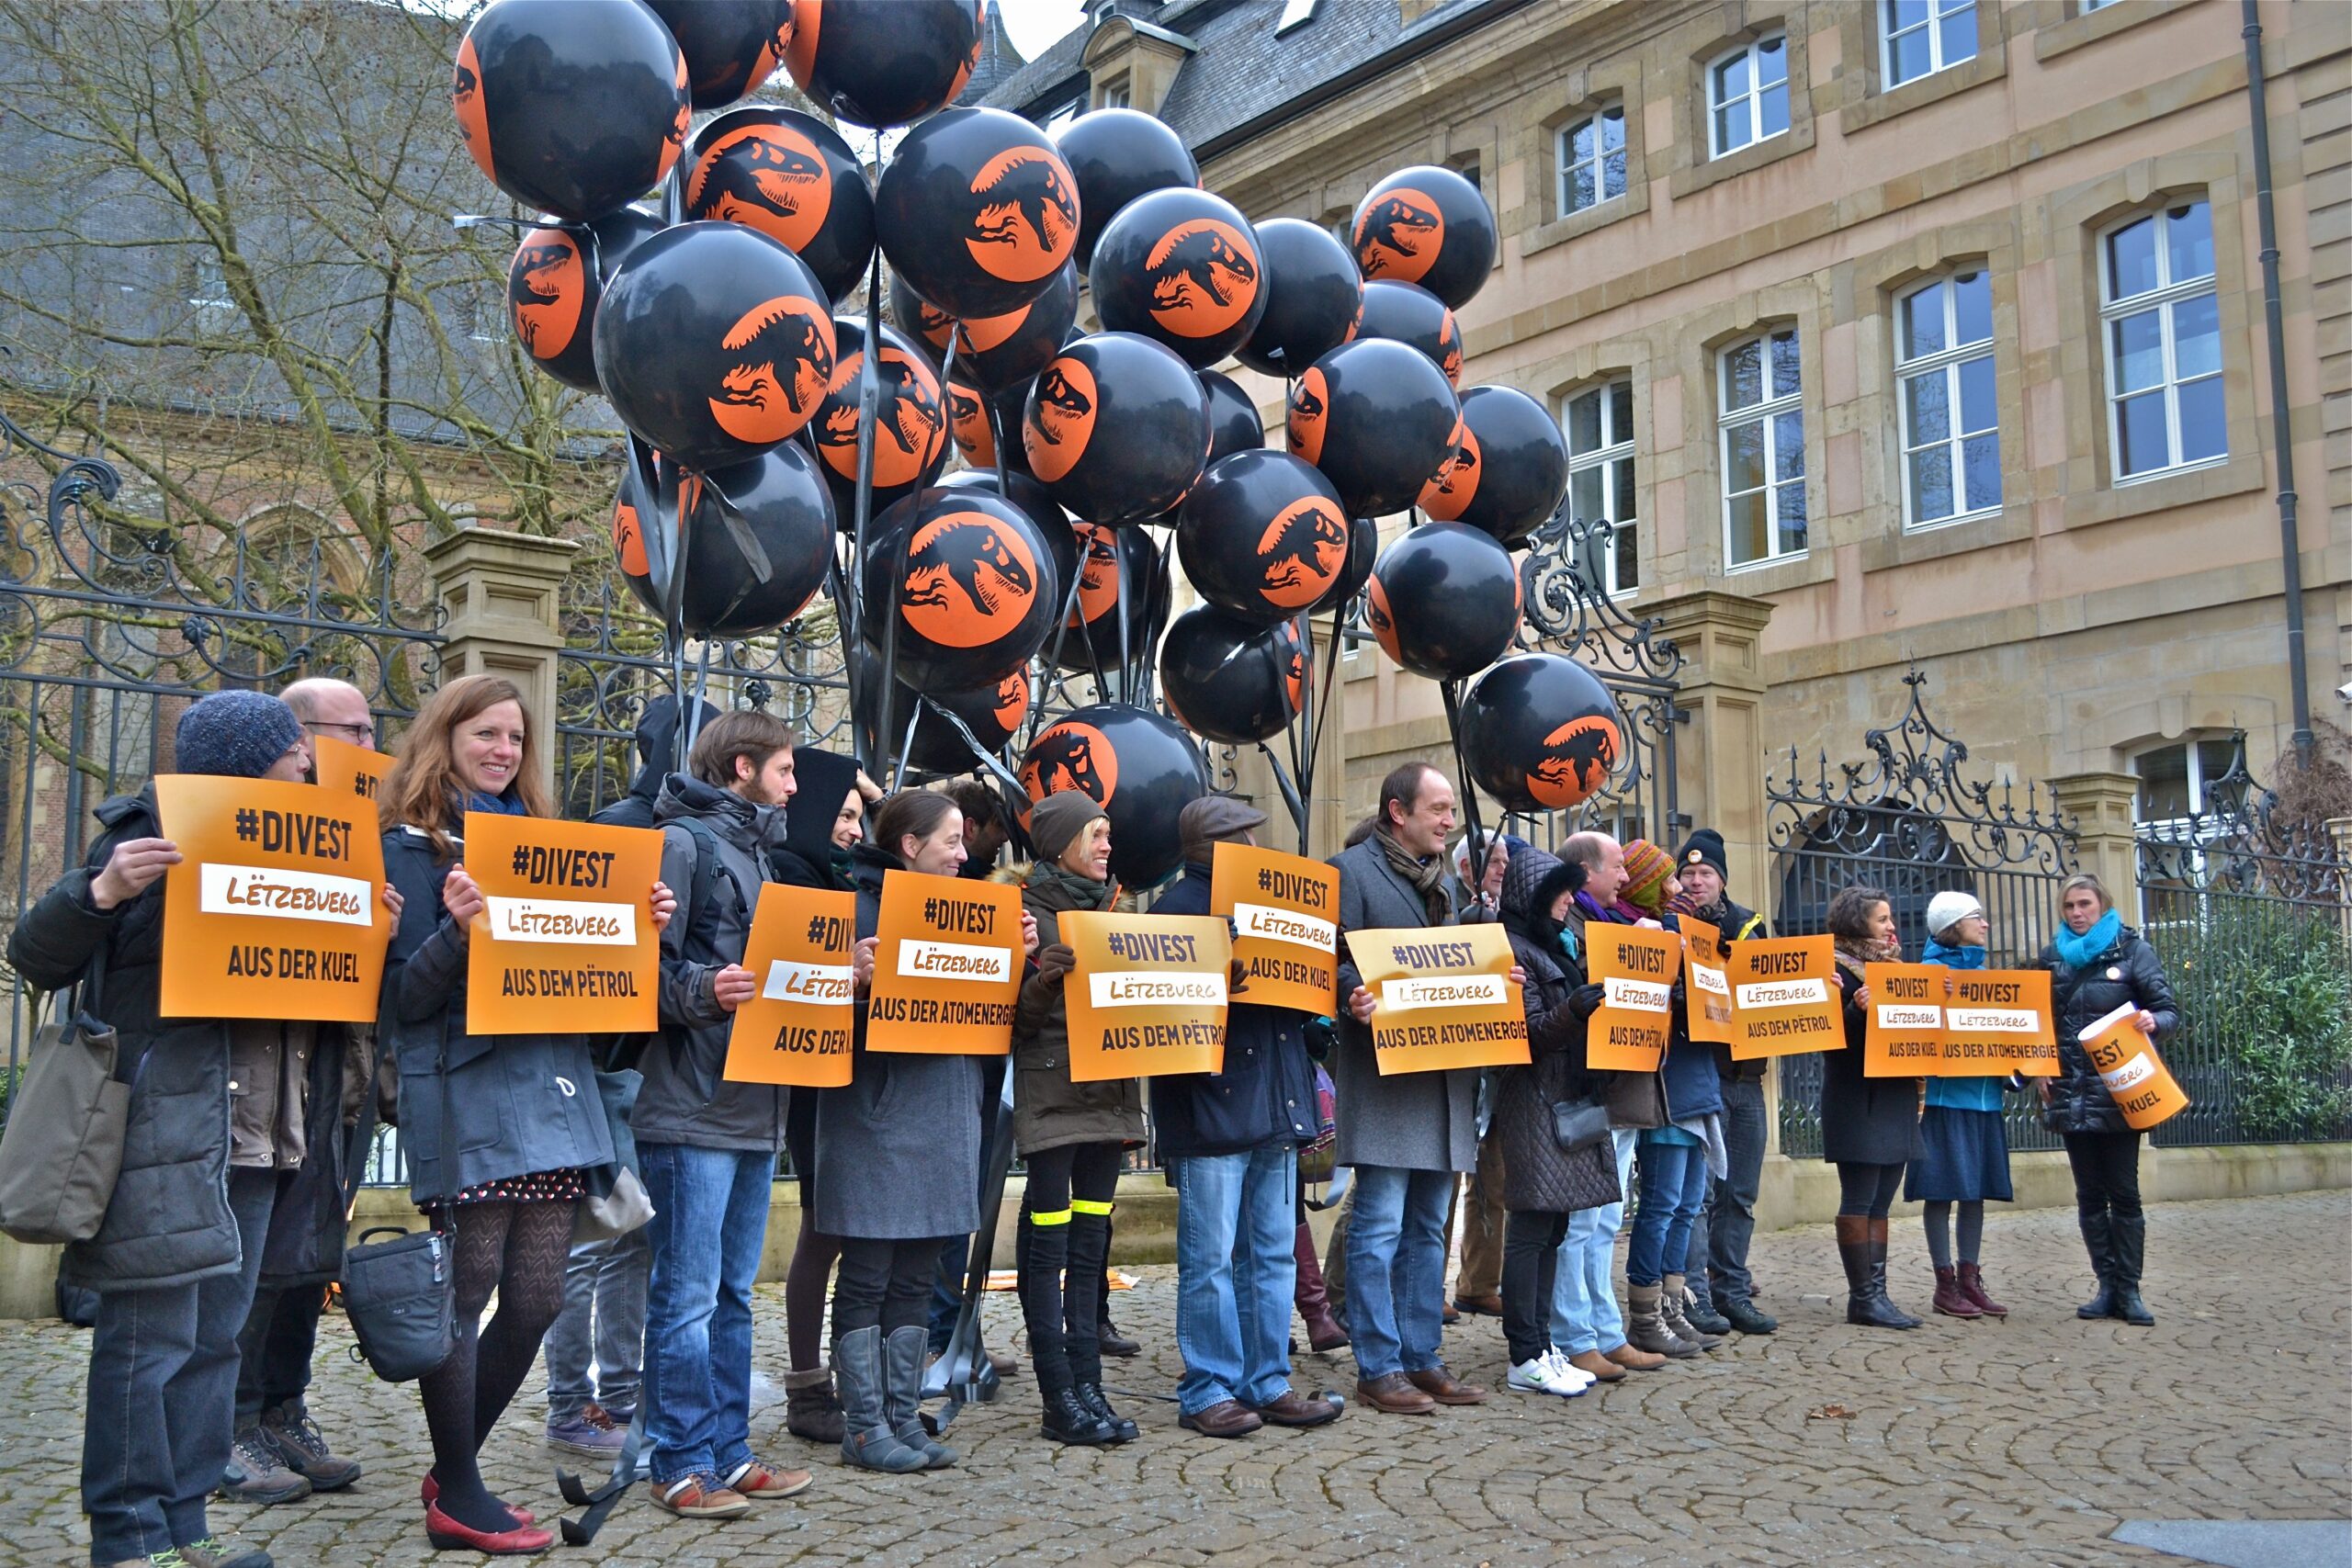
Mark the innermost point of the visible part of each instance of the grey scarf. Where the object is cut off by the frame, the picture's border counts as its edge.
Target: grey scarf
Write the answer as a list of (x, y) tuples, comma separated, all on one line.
[(1428, 876)]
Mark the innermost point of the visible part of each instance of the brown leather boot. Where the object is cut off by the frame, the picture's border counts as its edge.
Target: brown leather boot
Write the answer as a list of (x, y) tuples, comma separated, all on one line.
[(1632, 1360), (1314, 1297), (1971, 1285), (1951, 1300)]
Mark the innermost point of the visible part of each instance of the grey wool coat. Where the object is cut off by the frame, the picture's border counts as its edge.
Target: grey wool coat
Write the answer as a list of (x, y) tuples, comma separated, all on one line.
[(1410, 1121), (898, 1149)]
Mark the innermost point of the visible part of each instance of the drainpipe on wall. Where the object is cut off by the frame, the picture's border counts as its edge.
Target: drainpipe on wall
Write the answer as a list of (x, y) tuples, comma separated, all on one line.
[(2282, 432)]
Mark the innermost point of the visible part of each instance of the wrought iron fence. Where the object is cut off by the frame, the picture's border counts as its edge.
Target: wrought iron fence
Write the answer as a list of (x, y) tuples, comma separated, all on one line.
[(1909, 821), (2251, 913)]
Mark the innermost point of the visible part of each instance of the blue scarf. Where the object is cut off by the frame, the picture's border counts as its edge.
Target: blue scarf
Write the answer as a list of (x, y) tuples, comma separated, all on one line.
[(1953, 958), (2078, 950), (509, 804)]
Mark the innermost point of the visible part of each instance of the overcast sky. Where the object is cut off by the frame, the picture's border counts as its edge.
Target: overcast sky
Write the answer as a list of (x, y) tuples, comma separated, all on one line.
[(1036, 23)]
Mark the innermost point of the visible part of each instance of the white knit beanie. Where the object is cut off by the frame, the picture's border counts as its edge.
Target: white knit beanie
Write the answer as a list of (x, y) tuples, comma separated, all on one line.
[(1946, 910)]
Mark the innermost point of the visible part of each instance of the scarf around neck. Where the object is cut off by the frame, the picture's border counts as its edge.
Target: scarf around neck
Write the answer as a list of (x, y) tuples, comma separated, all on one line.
[(1427, 877), (1953, 958), (1083, 892), (2078, 950), (1857, 954)]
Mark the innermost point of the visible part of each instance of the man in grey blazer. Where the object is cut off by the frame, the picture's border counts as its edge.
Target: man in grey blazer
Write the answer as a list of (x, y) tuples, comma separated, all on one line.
[(1407, 1137)]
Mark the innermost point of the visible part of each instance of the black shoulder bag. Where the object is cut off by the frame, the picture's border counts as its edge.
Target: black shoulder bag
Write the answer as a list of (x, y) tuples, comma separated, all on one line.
[(401, 1295)]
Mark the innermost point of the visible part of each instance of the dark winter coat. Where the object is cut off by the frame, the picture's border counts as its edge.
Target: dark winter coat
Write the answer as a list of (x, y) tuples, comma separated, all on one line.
[(1412, 1121), (1264, 1097), (2127, 972), (517, 1103), (1864, 1119), (804, 856), (687, 1098), (898, 1149), (1735, 922), (168, 1222), (1538, 1175), (1636, 1101), (1049, 1112)]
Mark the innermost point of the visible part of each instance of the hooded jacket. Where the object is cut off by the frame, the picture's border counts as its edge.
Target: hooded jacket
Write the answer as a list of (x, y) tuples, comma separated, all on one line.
[(804, 856), (686, 1099), (1538, 1175), (658, 757)]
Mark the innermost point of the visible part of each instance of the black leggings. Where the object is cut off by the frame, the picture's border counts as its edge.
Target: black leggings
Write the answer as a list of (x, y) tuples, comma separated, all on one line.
[(518, 1251), (1530, 1265), (2106, 1173), (1066, 1226), (884, 1284), (1864, 1187)]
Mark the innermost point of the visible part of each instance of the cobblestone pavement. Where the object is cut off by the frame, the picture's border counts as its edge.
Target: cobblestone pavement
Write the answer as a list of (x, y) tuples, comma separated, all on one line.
[(1981, 1443)]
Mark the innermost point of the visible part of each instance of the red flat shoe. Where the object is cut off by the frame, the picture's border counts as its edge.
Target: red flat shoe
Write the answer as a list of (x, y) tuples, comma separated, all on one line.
[(447, 1535), (430, 1493)]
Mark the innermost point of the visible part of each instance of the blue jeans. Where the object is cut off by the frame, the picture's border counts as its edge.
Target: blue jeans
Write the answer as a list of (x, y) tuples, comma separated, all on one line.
[(1584, 1293), (1396, 1268), (595, 1348), (710, 1222), (1674, 1183), (1236, 1266)]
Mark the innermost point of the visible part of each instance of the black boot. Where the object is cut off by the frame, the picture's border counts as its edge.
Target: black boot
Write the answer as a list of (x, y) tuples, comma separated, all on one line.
[(1878, 1273), (2099, 1240), (1090, 1240), (1865, 1305), (1068, 1419), (2130, 1233)]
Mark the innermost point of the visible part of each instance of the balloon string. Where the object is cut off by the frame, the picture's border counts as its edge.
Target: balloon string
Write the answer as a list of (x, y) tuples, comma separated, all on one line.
[(869, 401), (1477, 834)]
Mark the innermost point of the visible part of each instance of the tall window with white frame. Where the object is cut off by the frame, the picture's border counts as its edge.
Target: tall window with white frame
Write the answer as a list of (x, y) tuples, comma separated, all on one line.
[(1943, 367), (1762, 395), (1926, 35), (1748, 94), (2162, 323), (1600, 478), (1592, 159)]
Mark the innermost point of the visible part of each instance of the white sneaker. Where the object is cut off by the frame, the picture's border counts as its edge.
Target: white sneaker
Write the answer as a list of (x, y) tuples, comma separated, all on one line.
[(1573, 1379), (1533, 1376)]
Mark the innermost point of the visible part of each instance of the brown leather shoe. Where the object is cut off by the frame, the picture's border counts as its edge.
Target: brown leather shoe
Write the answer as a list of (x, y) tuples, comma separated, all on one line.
[(1481, 1306), (1445, 1388), (1296, 1409), (1636, 1361), (1451, 1315), (1599, 1368), (1225, 1418), (1395, 1393)]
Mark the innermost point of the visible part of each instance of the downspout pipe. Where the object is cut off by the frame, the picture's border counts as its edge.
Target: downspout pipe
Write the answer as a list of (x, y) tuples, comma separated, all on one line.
[(2282, 439)]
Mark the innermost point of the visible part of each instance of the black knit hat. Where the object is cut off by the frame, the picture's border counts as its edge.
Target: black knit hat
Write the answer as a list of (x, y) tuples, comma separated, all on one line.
[(235, 734), (1706, 845)]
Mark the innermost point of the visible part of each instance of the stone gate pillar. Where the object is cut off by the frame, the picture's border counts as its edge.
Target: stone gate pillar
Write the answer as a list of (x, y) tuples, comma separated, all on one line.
[(2101, 805), (498, 594)]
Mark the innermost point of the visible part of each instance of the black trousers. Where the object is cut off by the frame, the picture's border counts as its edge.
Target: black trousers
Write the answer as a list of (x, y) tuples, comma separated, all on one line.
[(883, 1284), (2106, 1173), (1531, 1264), (1066, 1227), (273, 1351), (1867, 1189)]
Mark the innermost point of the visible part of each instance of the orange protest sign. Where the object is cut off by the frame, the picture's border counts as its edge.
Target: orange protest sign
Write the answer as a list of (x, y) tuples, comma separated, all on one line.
[(1285, 913), (947, 971), (346, 769), (278, 910), (1635, 966), (1147, 996), (1905, 1037), (1997, 1021), (796, 1030), (2143, 1087), (566, 943), (1784, 998), (1445, 998), (1705, 990)]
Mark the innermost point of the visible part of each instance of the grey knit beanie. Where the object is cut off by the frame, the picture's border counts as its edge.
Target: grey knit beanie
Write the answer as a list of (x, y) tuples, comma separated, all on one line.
[(1058, 818), (235, 734)]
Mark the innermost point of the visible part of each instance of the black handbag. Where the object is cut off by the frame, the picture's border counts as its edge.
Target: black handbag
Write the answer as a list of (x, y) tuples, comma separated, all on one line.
[(1579, 1124), (401, 1295)]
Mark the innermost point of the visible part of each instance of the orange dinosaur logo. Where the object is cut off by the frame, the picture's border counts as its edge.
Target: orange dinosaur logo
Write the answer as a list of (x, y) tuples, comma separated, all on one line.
[(1204, 277), (770, 177), (969, 580), (1399, 235), (780, 360), (1027, 221)]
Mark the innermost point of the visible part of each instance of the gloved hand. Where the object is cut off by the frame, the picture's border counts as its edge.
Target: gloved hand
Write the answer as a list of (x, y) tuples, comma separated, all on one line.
[(1319, 1033), (1055, 961), (1585, 1000)]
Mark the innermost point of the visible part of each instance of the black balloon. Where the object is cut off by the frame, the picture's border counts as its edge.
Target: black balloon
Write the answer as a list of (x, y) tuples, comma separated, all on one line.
[(992, 712), (1234, 425), (1262, 536), (909, 425), (792, 177), (1364, 549), (883, 62), (1118, 426), (1407, 313), (572, 107), (1024, 493), (1225, 679), (1000, 352), (1508, 472), (553, 285), (758, 537), (1444, 600), (646, 556), (1312, 295), (919, 317), (974, 580), (1181, 268), (1425, 225), (1138, 766), (976, 210), (1377, 417), (969, 416), (1117, 156), (731, 46), (1122, 582), (714, 344), (1540, 733)]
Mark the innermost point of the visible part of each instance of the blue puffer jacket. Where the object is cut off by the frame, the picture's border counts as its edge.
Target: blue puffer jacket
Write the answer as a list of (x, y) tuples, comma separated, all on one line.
[(1266, 1094)]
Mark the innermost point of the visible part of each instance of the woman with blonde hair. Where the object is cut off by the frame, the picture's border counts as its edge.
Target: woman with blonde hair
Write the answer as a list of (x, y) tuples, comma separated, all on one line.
[(499, 1130)]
